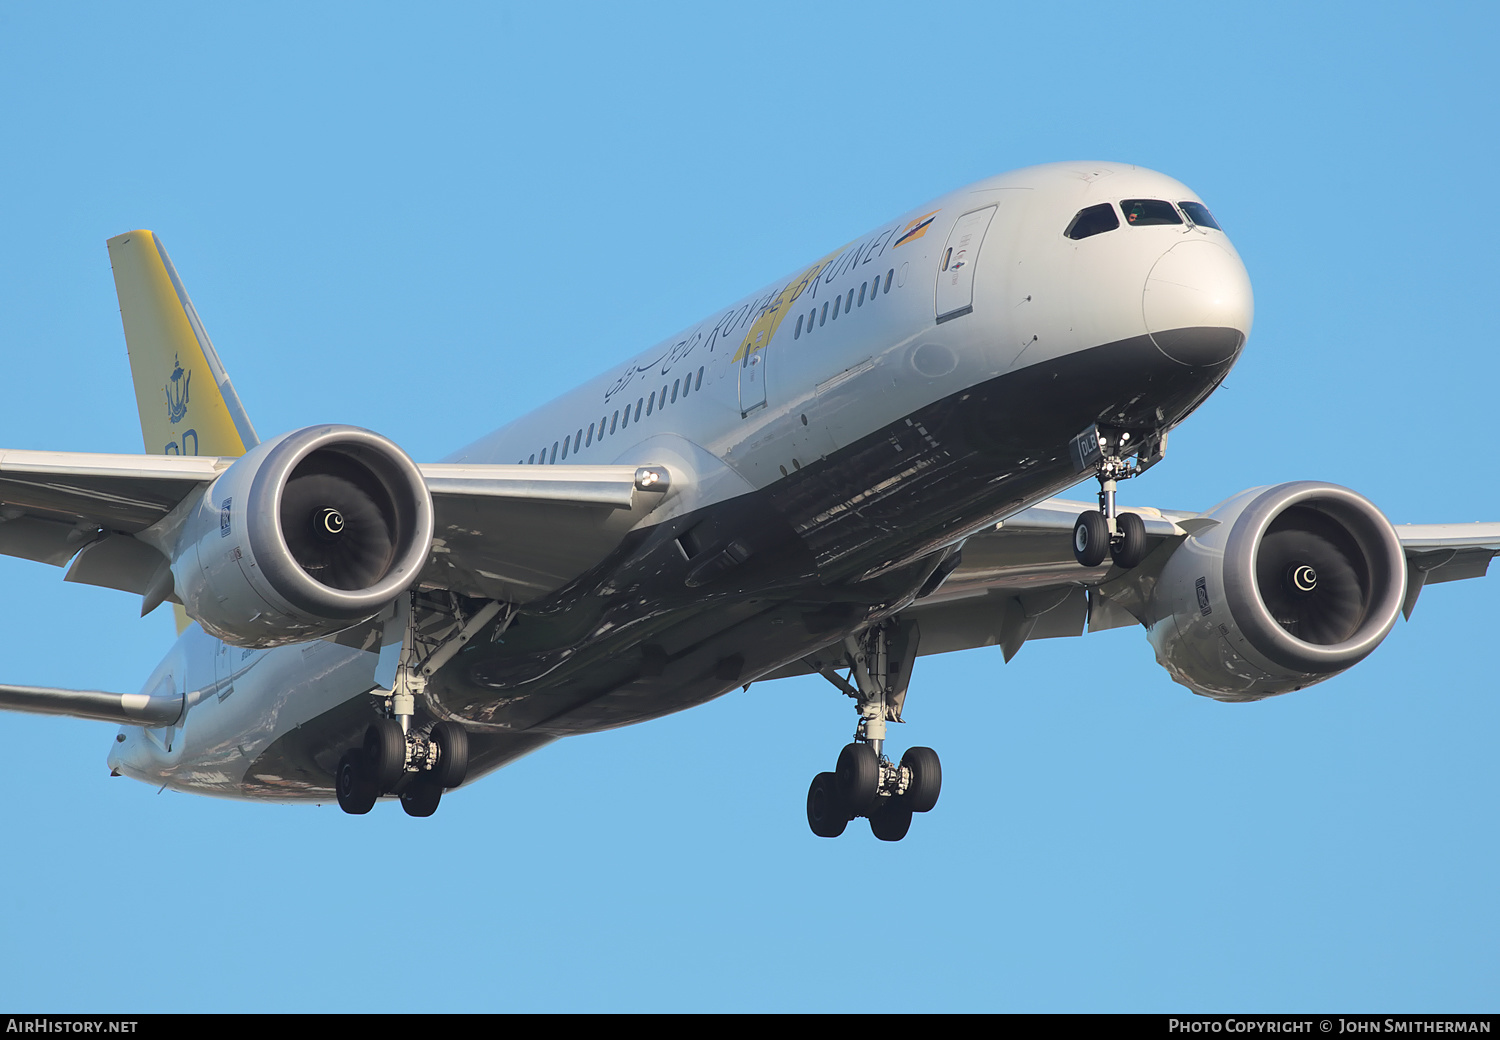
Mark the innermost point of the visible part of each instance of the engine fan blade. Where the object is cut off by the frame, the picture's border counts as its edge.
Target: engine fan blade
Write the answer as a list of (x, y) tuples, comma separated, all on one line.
[(336, 532), (1310, 583)]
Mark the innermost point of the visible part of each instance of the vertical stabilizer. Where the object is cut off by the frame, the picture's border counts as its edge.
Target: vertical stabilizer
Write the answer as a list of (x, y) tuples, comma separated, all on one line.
[(168, 349), (188, 405)]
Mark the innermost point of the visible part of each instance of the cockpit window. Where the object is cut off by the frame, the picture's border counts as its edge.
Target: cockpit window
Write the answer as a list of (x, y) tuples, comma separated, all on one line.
[(1198, 213), (1140, 212), (1093, 221)]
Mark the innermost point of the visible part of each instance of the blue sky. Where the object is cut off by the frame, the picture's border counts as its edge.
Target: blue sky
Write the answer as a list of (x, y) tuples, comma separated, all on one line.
[(429, 221)]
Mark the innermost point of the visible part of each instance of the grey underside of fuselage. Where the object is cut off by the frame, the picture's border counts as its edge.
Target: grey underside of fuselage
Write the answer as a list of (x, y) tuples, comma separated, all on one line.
[(834, 545)]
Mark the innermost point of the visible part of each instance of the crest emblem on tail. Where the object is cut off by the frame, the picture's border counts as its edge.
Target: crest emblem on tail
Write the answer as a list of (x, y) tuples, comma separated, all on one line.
[(177, 392)]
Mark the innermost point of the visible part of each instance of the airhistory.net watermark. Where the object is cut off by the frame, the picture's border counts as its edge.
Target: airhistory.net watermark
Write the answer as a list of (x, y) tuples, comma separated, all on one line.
[(44, 1024)]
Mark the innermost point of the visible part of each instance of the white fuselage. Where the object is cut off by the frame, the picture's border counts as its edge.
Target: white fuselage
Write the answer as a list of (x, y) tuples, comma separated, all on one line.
[(806, 367)]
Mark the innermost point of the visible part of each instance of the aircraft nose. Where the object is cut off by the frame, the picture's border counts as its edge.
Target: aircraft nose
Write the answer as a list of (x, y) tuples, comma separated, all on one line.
[(1197, 304)]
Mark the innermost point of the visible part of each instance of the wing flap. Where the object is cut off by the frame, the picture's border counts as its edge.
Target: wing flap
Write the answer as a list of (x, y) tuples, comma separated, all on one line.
[(515, 533), (43, 539)]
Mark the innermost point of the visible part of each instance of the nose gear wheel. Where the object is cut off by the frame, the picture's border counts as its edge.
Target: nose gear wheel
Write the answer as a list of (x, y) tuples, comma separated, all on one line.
[(1105, 531)]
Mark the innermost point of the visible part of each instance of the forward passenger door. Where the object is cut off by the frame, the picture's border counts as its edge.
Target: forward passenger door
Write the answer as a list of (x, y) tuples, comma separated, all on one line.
[(955, 280)]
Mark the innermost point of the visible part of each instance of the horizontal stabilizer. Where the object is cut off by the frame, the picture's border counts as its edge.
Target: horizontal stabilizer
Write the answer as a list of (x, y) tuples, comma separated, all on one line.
[(126, 709)]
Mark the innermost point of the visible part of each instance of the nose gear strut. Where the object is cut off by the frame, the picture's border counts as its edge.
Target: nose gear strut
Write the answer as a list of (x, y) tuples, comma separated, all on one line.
[(1106, 531)]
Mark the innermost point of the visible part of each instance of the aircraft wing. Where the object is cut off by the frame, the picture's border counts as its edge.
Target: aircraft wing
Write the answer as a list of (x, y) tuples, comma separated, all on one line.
[(1019, 581), (502, 532)]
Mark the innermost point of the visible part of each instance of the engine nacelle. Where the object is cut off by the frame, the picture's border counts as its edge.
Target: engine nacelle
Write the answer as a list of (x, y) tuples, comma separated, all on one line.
[(304, 536), (1295, 584)]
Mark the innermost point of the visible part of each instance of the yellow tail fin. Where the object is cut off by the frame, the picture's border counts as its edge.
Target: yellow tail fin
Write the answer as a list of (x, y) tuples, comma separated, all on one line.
[(168, 349), (168, 346)]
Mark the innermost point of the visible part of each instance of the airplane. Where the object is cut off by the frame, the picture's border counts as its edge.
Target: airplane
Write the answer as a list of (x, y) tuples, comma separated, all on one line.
[(848, 470)]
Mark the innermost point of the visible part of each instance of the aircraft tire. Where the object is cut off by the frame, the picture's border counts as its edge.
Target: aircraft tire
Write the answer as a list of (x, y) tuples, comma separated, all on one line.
[(858, 773), (926, 779), (1131, 547), (421, 796), (825, 812), (385, 753), (355, 792), (891, 822), (452, 741), (1090, 538)]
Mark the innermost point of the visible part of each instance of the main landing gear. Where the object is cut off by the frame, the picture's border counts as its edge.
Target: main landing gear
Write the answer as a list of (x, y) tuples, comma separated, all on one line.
[(865, 782), (395, 757), (1106, 532)]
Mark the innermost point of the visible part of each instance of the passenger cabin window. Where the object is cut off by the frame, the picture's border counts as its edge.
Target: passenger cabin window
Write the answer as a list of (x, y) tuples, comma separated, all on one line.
[(614, 420), (1141, 212), (1093, 220), (888, 276), (1198, 213), (675, 384), (798, 333), (698, 383), (565, 447)]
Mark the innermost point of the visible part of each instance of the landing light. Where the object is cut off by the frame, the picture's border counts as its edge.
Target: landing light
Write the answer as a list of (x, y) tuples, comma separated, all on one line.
[(651, 478)]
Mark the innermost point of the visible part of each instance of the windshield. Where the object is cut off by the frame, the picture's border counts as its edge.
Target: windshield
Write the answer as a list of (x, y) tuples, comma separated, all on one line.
[(1095, 220), (1140, 212), (1198, 213)]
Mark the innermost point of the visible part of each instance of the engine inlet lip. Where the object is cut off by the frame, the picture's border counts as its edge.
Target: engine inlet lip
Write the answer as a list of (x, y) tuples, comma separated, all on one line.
[(273, 555), (1370, 530)]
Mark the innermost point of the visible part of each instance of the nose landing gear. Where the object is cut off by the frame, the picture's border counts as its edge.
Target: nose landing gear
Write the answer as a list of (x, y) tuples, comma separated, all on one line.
[(865, 782), (1106, 531)]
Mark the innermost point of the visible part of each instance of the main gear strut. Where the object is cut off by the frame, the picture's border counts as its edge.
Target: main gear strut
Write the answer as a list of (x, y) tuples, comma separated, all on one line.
[(865, 782), (394, 755)]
